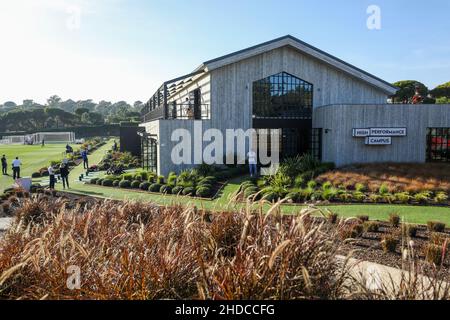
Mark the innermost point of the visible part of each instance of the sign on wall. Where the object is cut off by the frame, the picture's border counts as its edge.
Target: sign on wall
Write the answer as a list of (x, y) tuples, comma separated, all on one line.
[(379, 136), (378, 141), (388, 132), (361, 133)]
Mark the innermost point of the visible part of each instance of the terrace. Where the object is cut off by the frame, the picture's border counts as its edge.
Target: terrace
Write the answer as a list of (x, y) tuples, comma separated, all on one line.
[(163, 106)]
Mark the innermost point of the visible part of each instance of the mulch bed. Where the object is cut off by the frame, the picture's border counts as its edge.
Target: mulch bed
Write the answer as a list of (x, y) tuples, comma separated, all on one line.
[(368, 247)]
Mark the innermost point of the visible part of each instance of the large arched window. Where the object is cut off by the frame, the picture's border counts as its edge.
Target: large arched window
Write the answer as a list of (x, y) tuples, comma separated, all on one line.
[(282, 96)]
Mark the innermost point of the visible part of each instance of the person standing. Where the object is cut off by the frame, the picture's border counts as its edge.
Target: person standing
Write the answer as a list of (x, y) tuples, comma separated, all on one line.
[(115, 146), (4, 166), (51, 174), (252, 162), (16, 168), (84, 155), (64, 172), (43, 142)]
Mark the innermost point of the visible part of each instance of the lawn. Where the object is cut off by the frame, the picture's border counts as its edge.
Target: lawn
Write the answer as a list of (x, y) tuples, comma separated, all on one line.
[(32, 157)]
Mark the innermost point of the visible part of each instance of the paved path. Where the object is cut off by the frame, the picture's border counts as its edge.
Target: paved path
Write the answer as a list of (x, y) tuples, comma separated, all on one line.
[(5, 223)]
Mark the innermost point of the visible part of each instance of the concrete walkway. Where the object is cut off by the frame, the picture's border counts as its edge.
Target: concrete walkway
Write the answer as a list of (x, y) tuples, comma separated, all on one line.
[(5, 223)]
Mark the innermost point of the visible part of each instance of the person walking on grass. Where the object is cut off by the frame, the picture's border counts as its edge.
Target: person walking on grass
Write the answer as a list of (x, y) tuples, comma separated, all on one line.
[(16, 168), (84, 155), (51, 174), (64, 172), (43, 143), (4, 166)]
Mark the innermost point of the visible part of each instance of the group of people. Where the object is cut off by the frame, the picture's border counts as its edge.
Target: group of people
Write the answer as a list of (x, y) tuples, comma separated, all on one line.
[(63, 172), (16, 163)]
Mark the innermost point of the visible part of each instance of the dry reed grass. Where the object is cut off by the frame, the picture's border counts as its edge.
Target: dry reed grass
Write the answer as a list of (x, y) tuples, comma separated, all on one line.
[(143, 251)]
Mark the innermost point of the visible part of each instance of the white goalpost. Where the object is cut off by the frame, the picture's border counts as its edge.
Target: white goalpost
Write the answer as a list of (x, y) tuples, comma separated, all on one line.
[(36, 138)]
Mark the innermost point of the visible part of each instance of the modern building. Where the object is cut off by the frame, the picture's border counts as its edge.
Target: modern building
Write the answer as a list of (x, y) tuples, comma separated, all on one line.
[(317, 102)]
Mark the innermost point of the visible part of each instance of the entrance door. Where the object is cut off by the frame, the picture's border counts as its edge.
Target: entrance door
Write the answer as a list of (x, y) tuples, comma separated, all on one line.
[(294, 141)]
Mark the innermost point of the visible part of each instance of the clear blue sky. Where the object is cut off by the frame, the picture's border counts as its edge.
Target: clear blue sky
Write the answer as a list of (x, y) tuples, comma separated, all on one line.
[(124, 49)]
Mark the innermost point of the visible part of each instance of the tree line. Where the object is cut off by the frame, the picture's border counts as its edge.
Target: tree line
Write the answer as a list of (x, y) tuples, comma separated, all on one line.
[(407, 90), (58, 113)]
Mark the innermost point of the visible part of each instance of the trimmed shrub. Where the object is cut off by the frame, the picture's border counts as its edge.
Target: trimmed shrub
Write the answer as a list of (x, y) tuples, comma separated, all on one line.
[(107, 182), (436, 226), (389, 243), (189, 191), (394, 219), (125, 184), (144, 186), (422, 197), (441, 197), (327, 186), (128, 177), (360, 187), (208, 180), (312, 184), (166, 189), (160, 180), (116, 183), (99, 182), (93, 181), (383, 189), (359, 196), (299, 182), (172, 179), (371, 226), (351, 230), (329, 193), (203, 192), (155, 187), (135, 184), (402, 197), (36, 175), (177, 190)]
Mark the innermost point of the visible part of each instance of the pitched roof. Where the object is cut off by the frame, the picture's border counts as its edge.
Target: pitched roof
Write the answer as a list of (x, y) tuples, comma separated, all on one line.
[(306, 49)]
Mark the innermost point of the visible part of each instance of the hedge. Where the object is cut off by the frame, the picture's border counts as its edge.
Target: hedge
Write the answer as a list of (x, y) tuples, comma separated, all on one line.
[(125, 184), (135, 184), (155, 187)]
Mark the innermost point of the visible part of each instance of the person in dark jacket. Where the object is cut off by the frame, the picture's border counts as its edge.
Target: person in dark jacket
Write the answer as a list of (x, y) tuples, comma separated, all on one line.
[(64, 172), (84, 155), (4, 166)]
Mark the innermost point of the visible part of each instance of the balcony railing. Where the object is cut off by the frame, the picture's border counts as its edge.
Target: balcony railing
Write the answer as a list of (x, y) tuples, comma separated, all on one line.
[(187, 111)]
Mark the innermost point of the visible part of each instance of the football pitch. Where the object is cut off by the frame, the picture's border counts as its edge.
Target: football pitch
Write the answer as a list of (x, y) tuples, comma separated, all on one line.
[(33, 158)]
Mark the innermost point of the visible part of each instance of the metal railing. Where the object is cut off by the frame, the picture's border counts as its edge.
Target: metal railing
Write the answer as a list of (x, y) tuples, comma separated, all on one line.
[(186, 111)]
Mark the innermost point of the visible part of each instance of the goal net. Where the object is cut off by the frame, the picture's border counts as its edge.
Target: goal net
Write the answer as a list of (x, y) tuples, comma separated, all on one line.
[(54, 137), (47, 137)]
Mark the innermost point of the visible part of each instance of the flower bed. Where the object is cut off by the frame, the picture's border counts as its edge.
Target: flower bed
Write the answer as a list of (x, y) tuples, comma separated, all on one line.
[(302, 181), (204, 182)]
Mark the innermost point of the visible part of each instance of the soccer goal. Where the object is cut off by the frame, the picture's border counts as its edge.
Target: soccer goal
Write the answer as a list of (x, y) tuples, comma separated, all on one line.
[(54, 137)]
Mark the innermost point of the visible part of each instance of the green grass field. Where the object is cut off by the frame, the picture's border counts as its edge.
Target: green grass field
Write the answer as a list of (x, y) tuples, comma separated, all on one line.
[(33, 158)]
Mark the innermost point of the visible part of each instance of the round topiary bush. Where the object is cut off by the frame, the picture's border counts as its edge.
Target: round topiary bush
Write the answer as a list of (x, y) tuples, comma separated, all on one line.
[(125, 184), (99, 182), (36, 175), (107, 183), (208, 180), (165, 189), (203, 192), (116, 183), (189, 191), (177, 190), (135, 184), (93, 181), (144, 186), (204, 185), (294, 196), (155, 187)]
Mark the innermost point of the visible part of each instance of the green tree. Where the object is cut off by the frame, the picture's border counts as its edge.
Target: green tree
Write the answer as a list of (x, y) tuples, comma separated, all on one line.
[(54, 101), (407, 89), (79, 111), (442, 90)]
